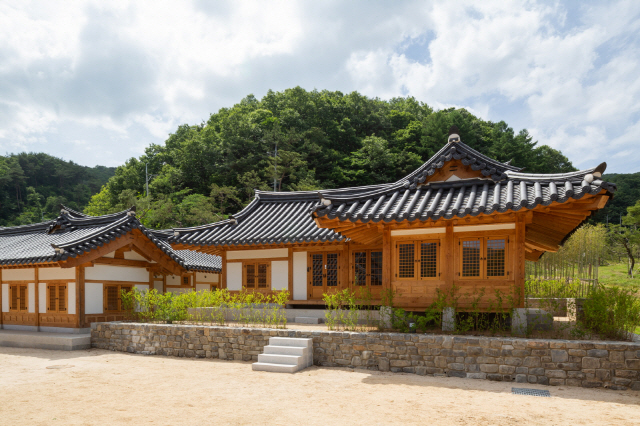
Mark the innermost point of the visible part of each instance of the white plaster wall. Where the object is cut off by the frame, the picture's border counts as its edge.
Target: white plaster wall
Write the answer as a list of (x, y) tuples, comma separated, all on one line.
[(206, 277), (5, 297), (157, 285), (142, 287), (117, 273), (257, 254), (200, 287), (132, 255), (57, 273), (174, 280), (111, 255), (32, 297), (234, 275), (18, 274), (300, 275), (279, 275), (71, 299), (93, 298), (42, 295)]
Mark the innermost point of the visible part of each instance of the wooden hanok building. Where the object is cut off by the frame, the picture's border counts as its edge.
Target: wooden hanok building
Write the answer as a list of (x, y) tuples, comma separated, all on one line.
[(63, 274), (461, 219)]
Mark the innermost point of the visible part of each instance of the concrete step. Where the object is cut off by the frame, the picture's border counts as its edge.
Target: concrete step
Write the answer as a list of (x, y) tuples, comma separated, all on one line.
[(291, 341), (282, 359), (307, 320), (45, 340), (275, 368), (286, 350)]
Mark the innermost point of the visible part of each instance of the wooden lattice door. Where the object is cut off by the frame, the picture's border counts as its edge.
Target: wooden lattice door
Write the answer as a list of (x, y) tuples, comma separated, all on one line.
[(323, 274)]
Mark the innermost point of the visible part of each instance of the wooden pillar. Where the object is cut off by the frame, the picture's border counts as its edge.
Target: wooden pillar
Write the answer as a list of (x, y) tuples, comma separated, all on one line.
[(1, 313), (448, 251), (519, 258), (386, 258), (80, 296), (344, 278), (223, 274), (290, 283), (37, 293)]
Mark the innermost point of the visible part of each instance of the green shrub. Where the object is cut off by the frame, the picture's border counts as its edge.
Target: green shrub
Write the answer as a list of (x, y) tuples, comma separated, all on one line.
[(612, 312)]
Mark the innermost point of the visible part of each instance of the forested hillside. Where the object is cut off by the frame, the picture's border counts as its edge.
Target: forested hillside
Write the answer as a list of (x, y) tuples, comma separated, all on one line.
[(32, 186), (324, 140)]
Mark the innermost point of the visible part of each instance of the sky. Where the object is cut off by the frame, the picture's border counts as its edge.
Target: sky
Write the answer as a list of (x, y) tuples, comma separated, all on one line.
[(97, 82)]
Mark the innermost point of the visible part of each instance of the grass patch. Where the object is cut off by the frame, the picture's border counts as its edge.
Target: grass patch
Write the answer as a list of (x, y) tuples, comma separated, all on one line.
[(616, 274)]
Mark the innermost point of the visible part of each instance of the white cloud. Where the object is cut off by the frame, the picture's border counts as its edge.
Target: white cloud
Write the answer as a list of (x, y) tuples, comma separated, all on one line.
[(101, 81)]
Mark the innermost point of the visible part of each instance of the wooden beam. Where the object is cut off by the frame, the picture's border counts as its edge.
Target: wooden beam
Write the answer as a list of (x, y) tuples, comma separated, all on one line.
[(290, 264), (448, 262), (541, 247), (99, 252), (519, 261), (37, 296), (122, 262), (386, 259), (141, 253), (223, 275)]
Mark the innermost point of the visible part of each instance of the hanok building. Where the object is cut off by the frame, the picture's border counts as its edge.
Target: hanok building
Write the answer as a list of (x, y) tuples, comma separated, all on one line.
[(63, 274), (461, 219)]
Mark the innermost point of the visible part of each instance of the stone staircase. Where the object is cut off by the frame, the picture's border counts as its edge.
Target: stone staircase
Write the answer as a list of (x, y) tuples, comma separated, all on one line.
[(285, 355)]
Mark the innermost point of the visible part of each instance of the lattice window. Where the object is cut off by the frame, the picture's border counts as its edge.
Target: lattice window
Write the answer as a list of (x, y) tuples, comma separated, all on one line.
[(62, 298), (428, 260), (53, 298), (317, 269), (23, 298), (112, 298), (496, 253), (471, 258), (332, 269), (376, 268), (360, 266), (15, 297), (406, 260), (262, 275), (251, 275)]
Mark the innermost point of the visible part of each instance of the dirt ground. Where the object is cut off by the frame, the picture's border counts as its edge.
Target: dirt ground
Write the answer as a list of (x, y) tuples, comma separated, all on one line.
[(40, 387)]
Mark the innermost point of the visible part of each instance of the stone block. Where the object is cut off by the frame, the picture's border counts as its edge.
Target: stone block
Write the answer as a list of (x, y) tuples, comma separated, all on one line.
[(448, 319), (383, 364), (481, 376), (590, 362), (604, 375), (556, 374), (633, 364), (531, 361), (598, 353), (635, 386), (494, 377), (506, 369), (559, 355), (489, 368), (522, 370), (556, 382)]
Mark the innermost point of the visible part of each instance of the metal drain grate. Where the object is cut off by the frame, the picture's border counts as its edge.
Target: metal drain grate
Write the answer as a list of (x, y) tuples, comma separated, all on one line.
[(530, 392)]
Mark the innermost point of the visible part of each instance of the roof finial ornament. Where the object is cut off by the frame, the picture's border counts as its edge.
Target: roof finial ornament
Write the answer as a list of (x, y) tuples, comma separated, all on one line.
[(454, 134)]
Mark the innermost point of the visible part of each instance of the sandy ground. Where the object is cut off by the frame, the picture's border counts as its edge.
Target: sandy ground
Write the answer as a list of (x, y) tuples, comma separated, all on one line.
[(40, 387)]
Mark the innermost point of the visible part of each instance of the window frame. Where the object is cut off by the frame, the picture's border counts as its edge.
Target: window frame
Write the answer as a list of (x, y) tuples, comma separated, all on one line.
[(256, 264), (417, 254), (119, 292), (483, 261), (56, 309), (368, 264), (17, 289)]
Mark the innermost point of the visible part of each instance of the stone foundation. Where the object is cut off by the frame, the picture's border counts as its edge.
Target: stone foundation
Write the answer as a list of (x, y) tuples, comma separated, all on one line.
[(614, 365)]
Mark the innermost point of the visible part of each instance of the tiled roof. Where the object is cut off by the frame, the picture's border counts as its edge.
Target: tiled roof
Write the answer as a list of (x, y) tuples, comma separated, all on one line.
[(271, 218), (280, 218), (73, 234)]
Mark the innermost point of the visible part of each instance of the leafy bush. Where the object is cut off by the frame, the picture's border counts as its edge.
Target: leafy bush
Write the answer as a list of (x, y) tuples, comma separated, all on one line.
[(612, 312), (348, 309), (247, 308)]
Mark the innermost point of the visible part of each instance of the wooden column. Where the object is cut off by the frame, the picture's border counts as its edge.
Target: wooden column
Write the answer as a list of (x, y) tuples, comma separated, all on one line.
[(344, 278), (448, 251), (223, 274), (290, 283), (386, 258), (1, 313), (37, 293), (80, 296), (519, 258)]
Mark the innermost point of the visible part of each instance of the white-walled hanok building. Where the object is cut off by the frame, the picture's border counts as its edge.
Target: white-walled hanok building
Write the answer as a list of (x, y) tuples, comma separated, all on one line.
[(63, 274), (461, 219)]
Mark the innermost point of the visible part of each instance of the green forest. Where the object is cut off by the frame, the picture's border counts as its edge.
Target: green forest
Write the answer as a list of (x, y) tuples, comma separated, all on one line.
[(324, 139), (34, 185)]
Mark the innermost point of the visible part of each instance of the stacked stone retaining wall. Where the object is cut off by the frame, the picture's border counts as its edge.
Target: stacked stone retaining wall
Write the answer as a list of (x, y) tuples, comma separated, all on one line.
[(614, 365)]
